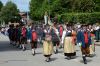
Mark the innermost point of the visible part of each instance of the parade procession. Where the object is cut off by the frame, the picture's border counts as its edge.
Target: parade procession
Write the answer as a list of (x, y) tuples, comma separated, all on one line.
[(53, 37), (52, 28)]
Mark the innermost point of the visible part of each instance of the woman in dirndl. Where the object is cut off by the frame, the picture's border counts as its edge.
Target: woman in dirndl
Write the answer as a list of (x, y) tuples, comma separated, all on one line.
[(47, 44), (69, 46), (92, 46)]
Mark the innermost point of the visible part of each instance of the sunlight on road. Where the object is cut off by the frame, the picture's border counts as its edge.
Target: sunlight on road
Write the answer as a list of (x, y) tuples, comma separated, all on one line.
[(3, 37)]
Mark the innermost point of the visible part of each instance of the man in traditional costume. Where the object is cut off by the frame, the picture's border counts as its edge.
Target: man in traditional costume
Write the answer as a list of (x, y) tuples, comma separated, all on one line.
[(84, 39), (23, 37), (29, 34), (11, 33), (17, 34), (34, 41)]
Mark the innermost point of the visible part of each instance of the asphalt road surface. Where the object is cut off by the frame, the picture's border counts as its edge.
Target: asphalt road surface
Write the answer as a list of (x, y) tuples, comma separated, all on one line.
[(11, 56)]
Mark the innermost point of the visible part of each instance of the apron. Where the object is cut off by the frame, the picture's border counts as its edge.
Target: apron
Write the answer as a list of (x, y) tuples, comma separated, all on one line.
[(47, 47), (69, 47)]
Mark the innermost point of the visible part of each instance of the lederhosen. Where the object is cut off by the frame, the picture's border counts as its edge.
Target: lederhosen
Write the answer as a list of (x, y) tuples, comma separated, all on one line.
[(85, 50), (23, 38)]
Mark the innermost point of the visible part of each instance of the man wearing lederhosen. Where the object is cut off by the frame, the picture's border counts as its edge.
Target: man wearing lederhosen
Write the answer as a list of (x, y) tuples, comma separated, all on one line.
[(34, 40), (84, 39), (23, 37)]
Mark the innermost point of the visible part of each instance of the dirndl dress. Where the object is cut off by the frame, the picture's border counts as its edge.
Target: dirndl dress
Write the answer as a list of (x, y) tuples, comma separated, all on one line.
[(47, 48), (69, 47), (92, 46)]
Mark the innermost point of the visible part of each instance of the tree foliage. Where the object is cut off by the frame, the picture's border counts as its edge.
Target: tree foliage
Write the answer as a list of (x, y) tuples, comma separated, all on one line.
[(8, 12), (59, 7), (1, 5), (97, 5), (87, 18)]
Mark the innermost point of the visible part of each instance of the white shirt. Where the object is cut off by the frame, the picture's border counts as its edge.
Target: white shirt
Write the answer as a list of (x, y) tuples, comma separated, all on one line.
[(63, 36), (97, 27)]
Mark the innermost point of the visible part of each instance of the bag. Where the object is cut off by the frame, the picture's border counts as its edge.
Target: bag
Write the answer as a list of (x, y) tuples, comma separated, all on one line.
[(34, 36)]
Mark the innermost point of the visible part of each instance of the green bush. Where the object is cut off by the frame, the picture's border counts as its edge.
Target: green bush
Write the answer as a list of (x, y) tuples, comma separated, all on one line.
[(87, 18)]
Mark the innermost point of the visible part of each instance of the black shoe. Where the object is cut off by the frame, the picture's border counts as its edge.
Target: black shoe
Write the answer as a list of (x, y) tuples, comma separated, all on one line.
[(85, 62), (47, 60), (84, 59), (24, 49), (34, 53), (56, 51), (68, 58)]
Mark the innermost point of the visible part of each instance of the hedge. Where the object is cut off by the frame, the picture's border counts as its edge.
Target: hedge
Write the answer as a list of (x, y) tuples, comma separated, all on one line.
[(87, 18)]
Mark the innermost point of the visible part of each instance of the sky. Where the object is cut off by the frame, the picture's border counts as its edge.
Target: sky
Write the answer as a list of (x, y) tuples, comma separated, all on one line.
[(23, 5)]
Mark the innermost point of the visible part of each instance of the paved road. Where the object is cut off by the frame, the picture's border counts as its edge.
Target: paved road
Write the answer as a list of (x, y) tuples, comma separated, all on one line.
[(11, 56)]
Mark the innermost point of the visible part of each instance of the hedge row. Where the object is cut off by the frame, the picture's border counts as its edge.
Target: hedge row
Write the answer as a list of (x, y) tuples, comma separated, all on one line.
[(87, 18)]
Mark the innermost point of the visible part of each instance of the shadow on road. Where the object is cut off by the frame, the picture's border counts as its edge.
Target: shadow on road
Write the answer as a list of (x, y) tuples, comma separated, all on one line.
[(53, 59), (5, 46), (88, 60)]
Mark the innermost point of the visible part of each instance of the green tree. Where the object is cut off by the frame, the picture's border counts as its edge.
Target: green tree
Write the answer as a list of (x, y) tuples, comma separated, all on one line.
[(35, 6), (97, 5), (58, 7), (1, 5), (8, 12)]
